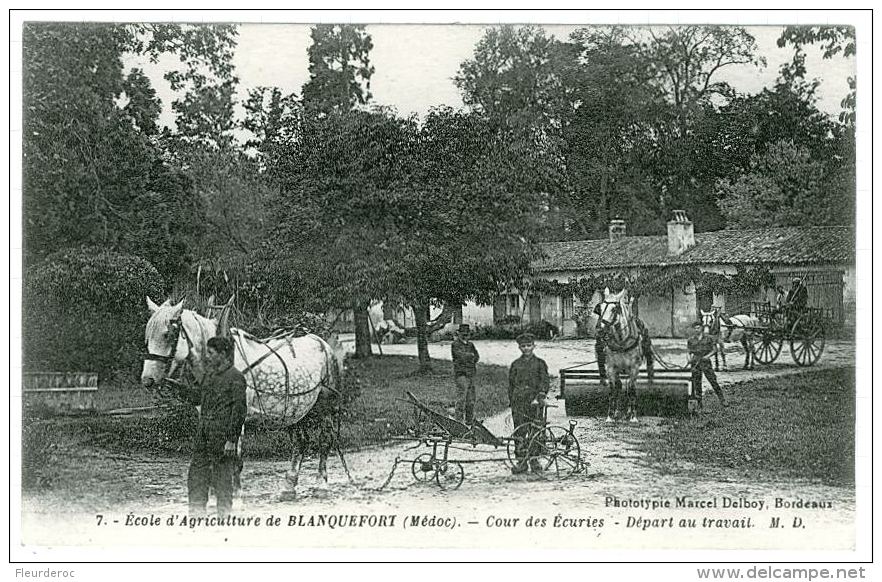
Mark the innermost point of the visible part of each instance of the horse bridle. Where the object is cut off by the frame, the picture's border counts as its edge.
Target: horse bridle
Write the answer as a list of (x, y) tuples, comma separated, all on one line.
[(179, 328), (617, 308)]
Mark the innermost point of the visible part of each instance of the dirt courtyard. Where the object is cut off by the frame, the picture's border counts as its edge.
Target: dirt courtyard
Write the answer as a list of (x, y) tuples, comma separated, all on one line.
[(626, 497)]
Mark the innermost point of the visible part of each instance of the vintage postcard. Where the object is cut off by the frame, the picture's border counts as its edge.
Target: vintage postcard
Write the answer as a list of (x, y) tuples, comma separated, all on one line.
[(560, 285)]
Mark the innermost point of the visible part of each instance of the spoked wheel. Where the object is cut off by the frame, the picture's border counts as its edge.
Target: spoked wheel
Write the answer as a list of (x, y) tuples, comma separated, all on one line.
[(555, 452), (807, 342), (449, 475), (766, 347), (423, 468), (519, 439)]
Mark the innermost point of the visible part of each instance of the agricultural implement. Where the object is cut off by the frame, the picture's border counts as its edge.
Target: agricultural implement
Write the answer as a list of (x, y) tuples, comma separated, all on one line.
[(585, 393), (803, 328), (552, 451)]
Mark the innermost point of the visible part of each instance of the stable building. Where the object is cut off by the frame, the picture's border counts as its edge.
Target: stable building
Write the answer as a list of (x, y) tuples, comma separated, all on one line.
[(822, 256)]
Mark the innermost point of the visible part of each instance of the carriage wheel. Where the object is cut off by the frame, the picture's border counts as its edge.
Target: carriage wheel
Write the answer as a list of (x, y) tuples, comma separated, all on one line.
[(766, 348), (449, 475), (807, 342), (555, 451), (520, 435), (423, 468)]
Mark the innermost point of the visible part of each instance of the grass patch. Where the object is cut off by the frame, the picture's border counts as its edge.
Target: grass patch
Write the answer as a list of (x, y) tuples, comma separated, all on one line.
[(796, 426), (373, 417)]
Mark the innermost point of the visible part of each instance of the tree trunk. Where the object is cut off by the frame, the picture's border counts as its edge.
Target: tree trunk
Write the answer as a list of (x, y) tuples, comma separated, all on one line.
[(362, 329), (421, 317)]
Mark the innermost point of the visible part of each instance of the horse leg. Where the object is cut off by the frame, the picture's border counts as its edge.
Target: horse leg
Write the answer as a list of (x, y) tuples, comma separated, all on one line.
[(721, 350), (632, 395), (295, 437), (323, 450), (612, 410), (748, 352)]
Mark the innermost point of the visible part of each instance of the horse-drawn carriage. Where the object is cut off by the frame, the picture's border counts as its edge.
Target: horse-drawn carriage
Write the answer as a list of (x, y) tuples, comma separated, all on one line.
[(804, 328)]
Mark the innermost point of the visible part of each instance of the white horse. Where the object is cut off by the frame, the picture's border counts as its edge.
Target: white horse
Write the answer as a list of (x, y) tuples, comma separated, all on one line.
[(285, 376), (624, 350), (730, 329)]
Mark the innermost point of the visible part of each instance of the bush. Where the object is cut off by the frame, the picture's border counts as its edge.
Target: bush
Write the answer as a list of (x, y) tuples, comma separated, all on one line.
[(84, 310)]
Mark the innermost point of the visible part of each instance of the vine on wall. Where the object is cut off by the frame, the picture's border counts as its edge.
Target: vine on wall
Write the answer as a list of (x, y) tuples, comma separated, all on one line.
[(659, 281)]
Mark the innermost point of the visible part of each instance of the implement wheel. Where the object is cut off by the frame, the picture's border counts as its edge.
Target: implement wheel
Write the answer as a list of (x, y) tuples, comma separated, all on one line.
[(807, 342), (555, 452), (423, 468), (449, 475), (766, 347)]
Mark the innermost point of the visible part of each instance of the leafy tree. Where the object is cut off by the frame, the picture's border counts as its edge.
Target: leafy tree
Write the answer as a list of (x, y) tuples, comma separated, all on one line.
[(93, 173), (516, 77), (834, 40), (686, 61), (332, 181), (604, 139), (271, 118), (339, 68), (206, 85), (785, 187)]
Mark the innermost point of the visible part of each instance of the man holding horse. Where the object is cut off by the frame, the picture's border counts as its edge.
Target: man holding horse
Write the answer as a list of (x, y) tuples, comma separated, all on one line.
[(223, 405), (701, 345)]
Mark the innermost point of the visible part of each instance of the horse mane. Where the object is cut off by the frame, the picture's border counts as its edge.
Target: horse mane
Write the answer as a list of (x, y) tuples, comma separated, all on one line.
[(627, 322)]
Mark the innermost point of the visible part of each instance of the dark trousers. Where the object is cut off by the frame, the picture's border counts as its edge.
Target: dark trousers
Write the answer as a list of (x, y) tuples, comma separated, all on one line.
[(521, 414), (465, 398), (211, 468), (704, 367)]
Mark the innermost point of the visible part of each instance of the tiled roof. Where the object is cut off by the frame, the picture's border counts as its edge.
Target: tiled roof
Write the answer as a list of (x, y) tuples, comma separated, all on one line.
[(790, 245)]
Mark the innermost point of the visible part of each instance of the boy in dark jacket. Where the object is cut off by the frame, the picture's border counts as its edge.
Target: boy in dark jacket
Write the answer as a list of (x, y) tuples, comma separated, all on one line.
[(465, 359), (527, 390)]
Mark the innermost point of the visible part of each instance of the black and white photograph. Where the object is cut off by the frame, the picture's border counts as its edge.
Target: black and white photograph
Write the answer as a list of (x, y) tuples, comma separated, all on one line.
[(575, 282)]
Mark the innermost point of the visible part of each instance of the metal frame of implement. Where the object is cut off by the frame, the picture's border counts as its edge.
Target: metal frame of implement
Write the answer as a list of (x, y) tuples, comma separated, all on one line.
[(552, 449)]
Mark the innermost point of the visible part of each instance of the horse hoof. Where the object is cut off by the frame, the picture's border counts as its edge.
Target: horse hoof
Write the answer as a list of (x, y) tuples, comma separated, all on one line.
[(633, 419), (609, 419), (292, 479)]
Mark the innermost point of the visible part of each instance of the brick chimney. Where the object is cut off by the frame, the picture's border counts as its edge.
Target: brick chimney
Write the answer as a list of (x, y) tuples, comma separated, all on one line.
[(681, 234), (617, 229)]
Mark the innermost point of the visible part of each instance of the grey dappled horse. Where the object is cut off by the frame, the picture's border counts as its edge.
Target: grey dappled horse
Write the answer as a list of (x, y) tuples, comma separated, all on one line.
[(724, 329), (285, 376), (624, 351)]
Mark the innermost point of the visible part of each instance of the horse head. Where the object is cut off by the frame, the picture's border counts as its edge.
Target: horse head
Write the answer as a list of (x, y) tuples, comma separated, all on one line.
[(175, 335), (615, 309)]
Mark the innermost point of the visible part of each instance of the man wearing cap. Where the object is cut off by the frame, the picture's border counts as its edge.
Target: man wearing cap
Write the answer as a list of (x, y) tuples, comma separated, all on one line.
[(223, 406), (465, 358), (527, 390), (701, 345)]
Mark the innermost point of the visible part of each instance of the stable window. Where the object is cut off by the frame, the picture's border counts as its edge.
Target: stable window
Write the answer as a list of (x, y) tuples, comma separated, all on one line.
[(566, 308)]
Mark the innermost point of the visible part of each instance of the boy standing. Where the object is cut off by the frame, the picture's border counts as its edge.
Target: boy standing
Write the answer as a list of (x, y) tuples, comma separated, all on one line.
[(527, 390)]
